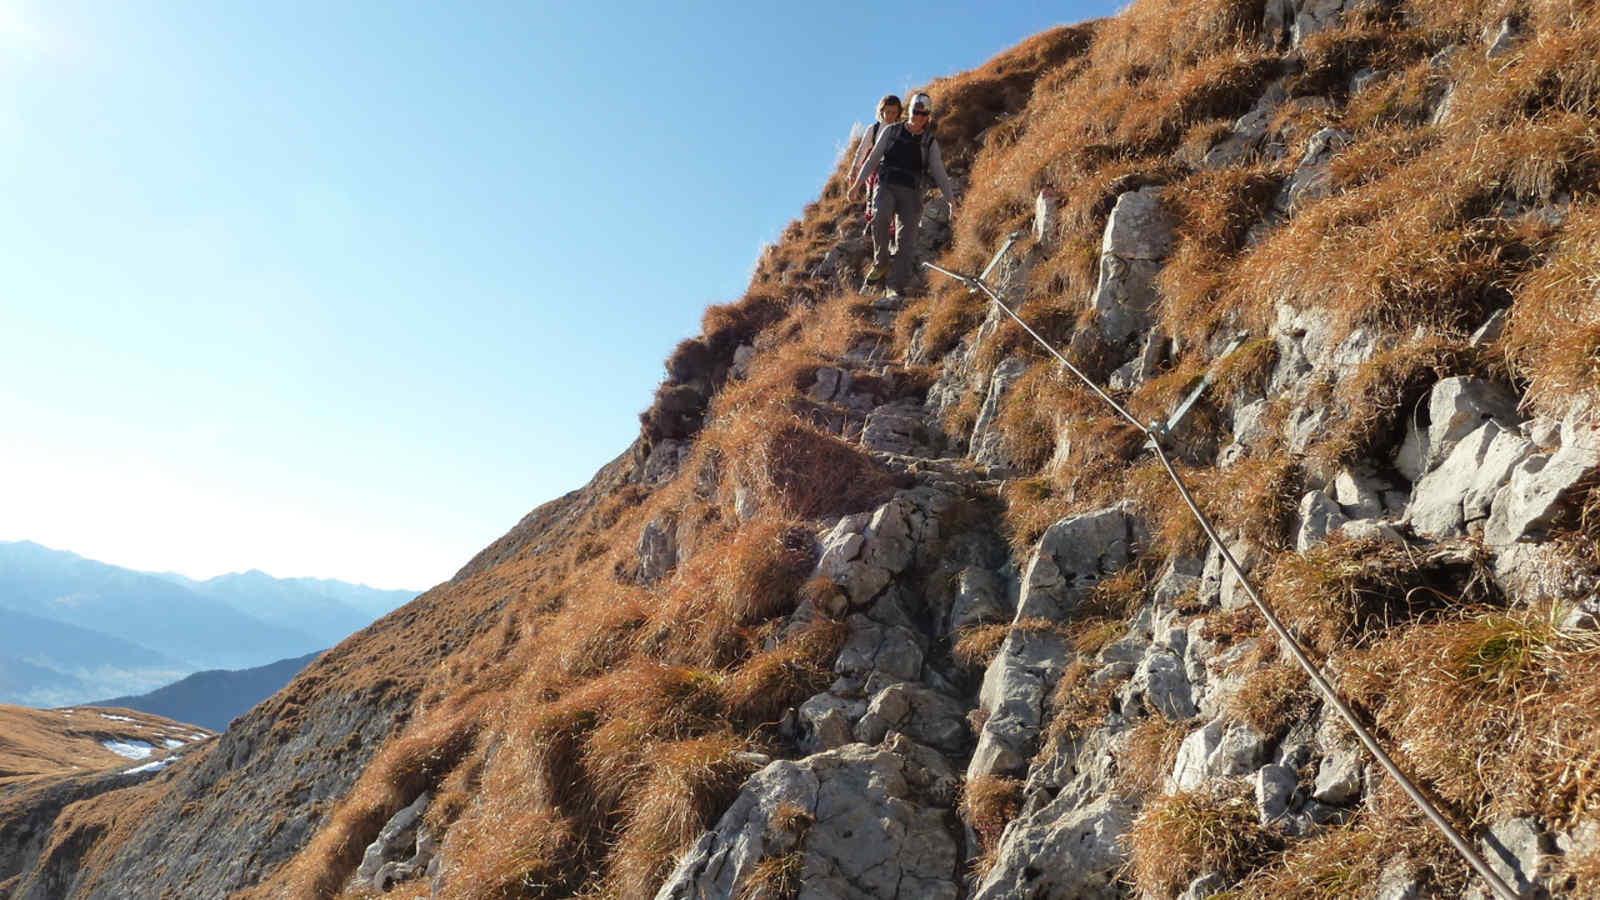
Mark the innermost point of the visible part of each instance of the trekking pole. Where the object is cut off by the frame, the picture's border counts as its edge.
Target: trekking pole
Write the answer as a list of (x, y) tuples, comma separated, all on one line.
[(1154, 433)]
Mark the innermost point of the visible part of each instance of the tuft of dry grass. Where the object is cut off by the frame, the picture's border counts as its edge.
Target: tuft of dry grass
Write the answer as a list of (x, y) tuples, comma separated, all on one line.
[(1345, 593), (1553, 336), (1274, 697), (1150, 751), (681, 793), (1497, 710), (988, 804), (1181, 836)]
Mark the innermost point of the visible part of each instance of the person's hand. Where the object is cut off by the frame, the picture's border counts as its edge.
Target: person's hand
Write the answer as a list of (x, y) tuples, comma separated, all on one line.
[(952, 206)]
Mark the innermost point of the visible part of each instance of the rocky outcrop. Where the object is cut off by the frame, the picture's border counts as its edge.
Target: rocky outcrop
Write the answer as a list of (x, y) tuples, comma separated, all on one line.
[(859, 822)]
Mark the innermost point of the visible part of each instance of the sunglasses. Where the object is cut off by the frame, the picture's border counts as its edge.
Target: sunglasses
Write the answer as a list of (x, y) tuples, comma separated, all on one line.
[(921, 112)]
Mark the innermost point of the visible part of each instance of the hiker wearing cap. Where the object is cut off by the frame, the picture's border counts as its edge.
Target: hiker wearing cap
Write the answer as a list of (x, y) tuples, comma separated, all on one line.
[(889, 112), (905, 156)]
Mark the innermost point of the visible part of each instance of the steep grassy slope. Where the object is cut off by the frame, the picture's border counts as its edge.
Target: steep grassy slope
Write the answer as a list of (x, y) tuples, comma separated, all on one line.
[(587, 697)]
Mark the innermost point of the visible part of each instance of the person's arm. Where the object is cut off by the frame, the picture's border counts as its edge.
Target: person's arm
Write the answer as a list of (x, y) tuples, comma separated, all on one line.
[(873, 158), (940, 176), (863, 147)]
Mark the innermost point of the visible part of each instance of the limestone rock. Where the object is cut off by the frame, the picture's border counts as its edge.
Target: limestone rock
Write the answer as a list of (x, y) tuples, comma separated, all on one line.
[(1275, 786), (872, 836), (1159, 685), (1215, 750), (1339, 777), (657, 547), (1459, 406), (1046, 218), (1310, 180), (1516, 850), (1072, 556), (1319, 515), (396, 842), (863, 553), (980, 599), (924, 715), (1061, 851), (1459, 493), (1138, 237), (1014, 688), (1538, 487), (900, 427), (988, 442)]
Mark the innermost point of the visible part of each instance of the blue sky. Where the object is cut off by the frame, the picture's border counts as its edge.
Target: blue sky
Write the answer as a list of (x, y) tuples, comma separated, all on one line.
[(344, 289)]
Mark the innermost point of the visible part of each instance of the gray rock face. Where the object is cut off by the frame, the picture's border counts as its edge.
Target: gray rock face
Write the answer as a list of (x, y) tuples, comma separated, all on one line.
[(1061, 852), (1319, 516), (873, 834), (1072, 556), (1310, 180), (1275, 786), (1459, 493), (1046, 218), (1339, 777), (1159, 685), (1516, 850), (900, 427), (863, 553), (925, 715), (1217, 749), (1014, 689), (980, 598), (1312, 16), (1538, 486), (396, 843), (1460, 406), (657, 547), (988, 442), (1138, 237), (665, 457), (1248, 132)]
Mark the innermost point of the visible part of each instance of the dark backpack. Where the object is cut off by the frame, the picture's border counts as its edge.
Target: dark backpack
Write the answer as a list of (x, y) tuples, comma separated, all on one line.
[(923, 141)]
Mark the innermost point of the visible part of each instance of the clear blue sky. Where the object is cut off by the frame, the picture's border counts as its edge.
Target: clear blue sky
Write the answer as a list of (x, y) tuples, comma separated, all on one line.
[(344, 289)]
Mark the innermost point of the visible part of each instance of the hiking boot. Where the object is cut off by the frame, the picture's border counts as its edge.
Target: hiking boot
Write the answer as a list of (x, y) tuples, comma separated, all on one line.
[(875, 275)]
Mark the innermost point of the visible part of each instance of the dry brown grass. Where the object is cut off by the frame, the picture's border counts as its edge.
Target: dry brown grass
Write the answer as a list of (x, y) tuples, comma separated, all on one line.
[(43, 742), (1181, 836), (1345, 593), (1273, 698), (1497, 710), (988, 804), (1150, 751), (1554, 332)]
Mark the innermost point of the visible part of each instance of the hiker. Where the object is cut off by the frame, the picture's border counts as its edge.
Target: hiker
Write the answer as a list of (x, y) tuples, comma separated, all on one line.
[(889, 112), (905, 156)]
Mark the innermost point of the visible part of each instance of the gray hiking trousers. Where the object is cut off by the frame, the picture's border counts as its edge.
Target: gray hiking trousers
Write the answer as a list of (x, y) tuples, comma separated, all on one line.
[(906, 202)]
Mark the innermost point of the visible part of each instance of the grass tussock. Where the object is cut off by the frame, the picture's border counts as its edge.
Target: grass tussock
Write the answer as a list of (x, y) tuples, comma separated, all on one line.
[(1274, 697), (1148, 755), (1348, 593), (1181, 836), (1553, 336), (1497, 709), (988, 804)]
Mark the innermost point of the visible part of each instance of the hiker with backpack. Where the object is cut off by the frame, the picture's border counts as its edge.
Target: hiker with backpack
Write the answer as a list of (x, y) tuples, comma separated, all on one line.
[(889, 112), (904, 158)]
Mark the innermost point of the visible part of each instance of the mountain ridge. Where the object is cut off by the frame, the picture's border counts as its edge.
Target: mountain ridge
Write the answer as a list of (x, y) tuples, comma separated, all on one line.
[(880, 606)]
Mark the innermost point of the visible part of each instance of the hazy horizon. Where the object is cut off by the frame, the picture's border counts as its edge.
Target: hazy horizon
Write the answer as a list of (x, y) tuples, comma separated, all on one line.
[(344, 291)]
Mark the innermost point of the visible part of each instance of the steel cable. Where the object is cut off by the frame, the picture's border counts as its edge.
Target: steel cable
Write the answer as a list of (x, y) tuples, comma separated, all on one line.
[(1154, 434)]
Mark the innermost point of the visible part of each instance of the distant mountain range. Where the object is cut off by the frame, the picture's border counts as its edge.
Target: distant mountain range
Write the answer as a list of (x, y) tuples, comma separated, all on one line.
[(76, 629), (214, 698)]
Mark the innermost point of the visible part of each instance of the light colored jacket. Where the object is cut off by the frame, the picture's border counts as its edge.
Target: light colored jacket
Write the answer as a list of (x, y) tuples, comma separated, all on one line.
[(886, 137), (869, 139)]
